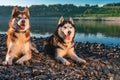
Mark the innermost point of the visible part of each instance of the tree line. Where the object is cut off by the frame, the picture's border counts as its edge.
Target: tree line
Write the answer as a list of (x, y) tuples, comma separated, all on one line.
[(112, 9)]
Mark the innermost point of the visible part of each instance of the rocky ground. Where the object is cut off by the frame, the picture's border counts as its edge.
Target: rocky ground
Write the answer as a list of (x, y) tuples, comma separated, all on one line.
[(103, 63)]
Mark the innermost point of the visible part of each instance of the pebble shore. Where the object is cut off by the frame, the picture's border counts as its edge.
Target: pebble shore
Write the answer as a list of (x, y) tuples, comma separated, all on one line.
[(103, 63)]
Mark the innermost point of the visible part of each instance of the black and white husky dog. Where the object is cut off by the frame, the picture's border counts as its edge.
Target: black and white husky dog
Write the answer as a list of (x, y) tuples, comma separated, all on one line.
[(61, 43)]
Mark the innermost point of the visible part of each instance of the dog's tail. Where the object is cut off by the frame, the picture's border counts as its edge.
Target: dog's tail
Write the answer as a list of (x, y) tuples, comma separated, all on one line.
[(33, 48)]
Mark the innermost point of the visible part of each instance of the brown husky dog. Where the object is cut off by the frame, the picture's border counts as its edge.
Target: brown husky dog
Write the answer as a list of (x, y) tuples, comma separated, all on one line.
[(61, 43), (18, 40)]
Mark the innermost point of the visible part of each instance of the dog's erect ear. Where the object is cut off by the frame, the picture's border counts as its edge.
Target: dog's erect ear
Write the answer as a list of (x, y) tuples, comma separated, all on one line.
[(61, 20), (15, 9), (26, 10), (71, 20)]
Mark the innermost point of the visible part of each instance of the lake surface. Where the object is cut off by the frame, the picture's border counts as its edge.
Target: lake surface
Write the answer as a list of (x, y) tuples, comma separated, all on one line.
[(106, 32)]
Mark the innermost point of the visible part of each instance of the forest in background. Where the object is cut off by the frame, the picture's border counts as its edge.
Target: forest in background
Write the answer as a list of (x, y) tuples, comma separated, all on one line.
[(107, 10)]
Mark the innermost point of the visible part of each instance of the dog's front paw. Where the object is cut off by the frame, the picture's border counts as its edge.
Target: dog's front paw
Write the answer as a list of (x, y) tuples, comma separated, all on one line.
[(67, 63), (6, 63), (19, 62), (82, 61), (36, 51)]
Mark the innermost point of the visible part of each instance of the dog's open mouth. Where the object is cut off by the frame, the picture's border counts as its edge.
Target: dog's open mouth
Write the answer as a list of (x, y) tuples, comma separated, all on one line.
[(68, 37), (22, 27)]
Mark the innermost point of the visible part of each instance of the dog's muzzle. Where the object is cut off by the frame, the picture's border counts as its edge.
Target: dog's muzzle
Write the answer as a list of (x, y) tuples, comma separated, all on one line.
[(69, 32)]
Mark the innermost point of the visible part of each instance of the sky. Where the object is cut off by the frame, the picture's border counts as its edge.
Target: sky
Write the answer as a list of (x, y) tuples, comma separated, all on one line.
[(48, 2)]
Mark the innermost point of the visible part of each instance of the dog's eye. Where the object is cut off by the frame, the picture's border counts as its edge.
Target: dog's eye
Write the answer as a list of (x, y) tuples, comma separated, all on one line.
[(18, 17), (25, 17), (70, 27), (65, 27)]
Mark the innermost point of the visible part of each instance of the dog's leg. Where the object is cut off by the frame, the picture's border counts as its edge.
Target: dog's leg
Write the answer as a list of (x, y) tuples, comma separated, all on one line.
[(59, 56), (9, 56), (26, 57), (8, 60), (63, 60), (27, 54), (73, 56)]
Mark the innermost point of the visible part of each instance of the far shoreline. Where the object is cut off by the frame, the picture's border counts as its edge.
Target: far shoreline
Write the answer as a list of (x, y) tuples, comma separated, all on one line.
[(98, 18), (93, 18)]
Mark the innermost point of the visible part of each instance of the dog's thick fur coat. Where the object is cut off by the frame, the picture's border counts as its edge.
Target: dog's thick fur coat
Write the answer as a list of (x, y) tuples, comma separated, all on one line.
[(61, 43), (19, 43)]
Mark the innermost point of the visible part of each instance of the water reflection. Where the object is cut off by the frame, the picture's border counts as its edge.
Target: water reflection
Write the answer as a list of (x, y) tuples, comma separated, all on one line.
[(107, 32), (98, 38)]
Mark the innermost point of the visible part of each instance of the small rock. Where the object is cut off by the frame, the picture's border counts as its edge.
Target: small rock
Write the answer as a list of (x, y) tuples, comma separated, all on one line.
[(41, 77)]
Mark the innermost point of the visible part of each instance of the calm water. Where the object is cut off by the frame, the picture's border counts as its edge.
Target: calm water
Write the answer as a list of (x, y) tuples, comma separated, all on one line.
[(107, 32)]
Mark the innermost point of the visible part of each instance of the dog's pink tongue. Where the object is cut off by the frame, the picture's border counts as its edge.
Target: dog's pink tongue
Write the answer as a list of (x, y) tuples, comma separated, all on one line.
[(22, 27), (68, 37)]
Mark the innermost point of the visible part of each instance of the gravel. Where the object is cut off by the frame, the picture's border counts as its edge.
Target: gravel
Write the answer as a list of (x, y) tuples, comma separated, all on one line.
[(103, 63)]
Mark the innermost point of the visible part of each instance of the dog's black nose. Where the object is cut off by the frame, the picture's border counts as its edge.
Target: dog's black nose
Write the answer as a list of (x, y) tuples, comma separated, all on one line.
[(23, 21), (69, 32)]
